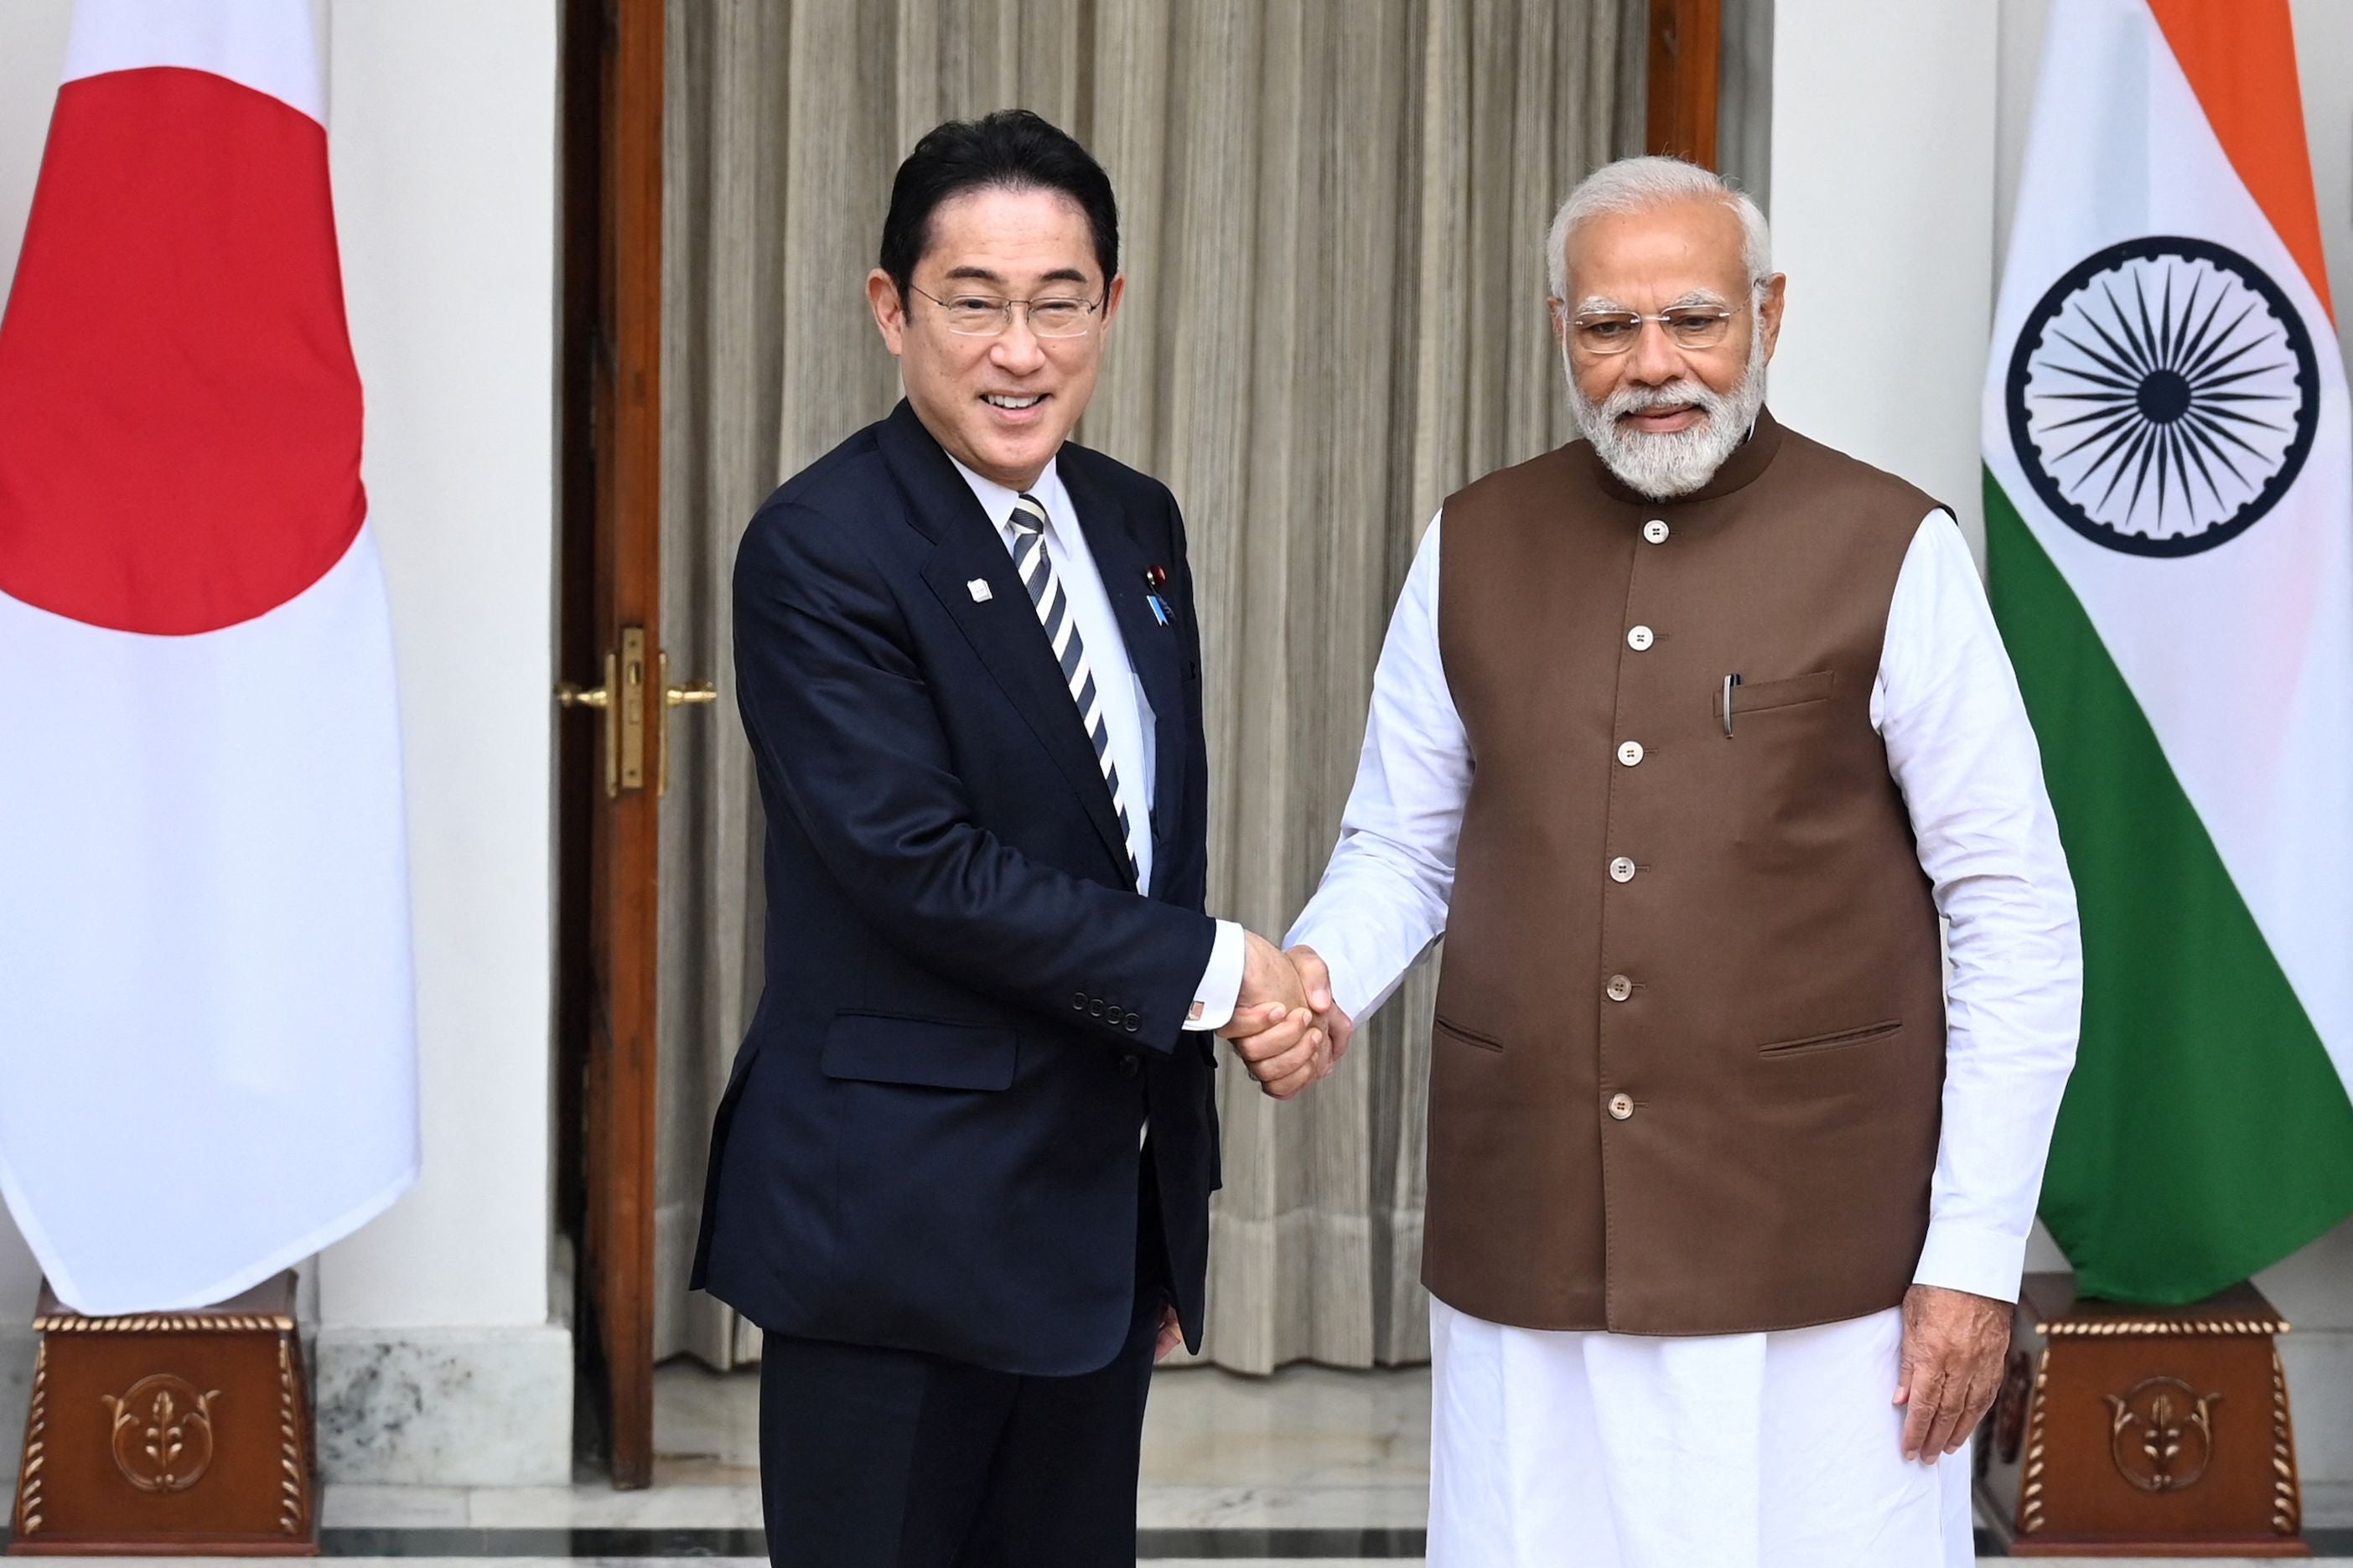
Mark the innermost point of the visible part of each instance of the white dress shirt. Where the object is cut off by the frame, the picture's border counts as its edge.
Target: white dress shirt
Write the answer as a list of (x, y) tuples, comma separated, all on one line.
[(1126, 711), (1961, 751)]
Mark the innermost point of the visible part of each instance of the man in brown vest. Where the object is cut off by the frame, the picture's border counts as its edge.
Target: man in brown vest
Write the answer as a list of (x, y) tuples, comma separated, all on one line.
[(1684, 736)]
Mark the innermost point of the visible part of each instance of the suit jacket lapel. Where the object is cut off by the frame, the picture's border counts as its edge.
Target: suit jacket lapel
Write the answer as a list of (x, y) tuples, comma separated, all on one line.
[(1151, 647), (1003, 629)]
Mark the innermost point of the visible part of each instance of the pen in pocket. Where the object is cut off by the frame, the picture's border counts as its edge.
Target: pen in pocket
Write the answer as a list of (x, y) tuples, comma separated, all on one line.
[(1730, 681)]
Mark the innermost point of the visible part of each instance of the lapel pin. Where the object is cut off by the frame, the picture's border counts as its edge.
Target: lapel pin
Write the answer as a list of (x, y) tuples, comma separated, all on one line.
[(980, 591)]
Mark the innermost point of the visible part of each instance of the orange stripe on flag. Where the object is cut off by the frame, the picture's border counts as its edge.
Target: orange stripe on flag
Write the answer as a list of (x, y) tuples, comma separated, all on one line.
[(2240, 58)]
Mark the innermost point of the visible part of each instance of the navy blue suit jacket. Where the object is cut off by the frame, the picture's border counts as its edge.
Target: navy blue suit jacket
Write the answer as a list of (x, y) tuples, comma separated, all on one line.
[(929, 1140)]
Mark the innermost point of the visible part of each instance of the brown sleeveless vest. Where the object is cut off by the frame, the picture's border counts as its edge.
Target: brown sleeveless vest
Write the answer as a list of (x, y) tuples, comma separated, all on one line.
[(1689, 1049)]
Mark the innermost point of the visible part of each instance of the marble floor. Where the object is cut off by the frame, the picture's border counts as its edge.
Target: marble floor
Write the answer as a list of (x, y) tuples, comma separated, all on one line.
[(1346, 1451), (1309, 1467)]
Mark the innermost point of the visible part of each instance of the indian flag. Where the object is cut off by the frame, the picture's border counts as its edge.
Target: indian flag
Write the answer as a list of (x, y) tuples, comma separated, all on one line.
[(2170, 533), (207, 1063)]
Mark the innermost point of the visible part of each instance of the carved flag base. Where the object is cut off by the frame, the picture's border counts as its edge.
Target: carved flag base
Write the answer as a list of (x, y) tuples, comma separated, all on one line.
[(2142, 1431), (170, 1433)]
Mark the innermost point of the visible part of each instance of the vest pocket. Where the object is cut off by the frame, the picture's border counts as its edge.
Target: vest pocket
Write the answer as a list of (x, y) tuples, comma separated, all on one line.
[(1787, 693), (1833, 1042), (1470, 1037)]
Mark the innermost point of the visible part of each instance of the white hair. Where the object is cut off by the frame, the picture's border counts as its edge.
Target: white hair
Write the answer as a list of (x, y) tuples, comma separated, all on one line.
[(1638, 184)]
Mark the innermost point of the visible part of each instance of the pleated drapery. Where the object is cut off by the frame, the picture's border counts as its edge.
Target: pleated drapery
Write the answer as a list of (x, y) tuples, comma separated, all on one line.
[(1332, 223)]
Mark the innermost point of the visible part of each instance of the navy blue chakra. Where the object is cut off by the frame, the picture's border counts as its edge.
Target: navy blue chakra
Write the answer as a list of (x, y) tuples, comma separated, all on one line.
[(2163, 395)]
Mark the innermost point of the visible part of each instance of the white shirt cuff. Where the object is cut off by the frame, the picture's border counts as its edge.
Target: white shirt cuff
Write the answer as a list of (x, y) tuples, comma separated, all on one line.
[(1221, 982), (1977, 1258)]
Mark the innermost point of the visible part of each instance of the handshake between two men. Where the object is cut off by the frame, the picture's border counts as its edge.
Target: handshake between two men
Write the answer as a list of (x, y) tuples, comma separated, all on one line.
[(1286, 1029)]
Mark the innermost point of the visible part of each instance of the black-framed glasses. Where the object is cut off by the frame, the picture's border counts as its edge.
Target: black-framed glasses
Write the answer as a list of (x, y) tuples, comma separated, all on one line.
[(1686, 326), (987, 315)]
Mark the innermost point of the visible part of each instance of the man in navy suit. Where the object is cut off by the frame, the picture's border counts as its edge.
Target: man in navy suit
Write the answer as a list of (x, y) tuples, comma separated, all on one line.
[(962, 1174)]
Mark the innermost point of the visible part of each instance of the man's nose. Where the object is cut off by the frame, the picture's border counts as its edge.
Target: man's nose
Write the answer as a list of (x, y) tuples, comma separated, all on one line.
[(1016, 348), (1656, 360)]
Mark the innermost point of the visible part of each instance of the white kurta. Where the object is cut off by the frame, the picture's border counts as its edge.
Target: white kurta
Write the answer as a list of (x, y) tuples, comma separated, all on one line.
[(1765, 1450)]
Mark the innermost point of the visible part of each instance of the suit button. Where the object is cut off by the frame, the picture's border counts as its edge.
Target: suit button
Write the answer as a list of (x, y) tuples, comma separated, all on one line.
[(1641, 639), (1621, 1106), (1655, 530), (1621, 869), (1132, 1023), (1095, 1006), (1618, 988), (1130, 1065), (1631, 753), (1079, 1003)]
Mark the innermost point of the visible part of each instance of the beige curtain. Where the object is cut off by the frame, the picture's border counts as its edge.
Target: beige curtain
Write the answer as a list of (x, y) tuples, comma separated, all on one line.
[(1332, 213)]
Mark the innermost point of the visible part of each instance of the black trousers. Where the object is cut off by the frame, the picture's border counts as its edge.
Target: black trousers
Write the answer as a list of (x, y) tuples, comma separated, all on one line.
[(889, 1459)]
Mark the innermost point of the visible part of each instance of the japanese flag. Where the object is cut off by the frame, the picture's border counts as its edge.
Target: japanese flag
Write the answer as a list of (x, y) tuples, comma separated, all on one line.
[(208, 1061)]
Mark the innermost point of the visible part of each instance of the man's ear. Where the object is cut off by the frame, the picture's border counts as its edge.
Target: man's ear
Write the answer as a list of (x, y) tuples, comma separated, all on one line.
[(1772, 298), (1558, 310), (889, 308), (1112, 296)]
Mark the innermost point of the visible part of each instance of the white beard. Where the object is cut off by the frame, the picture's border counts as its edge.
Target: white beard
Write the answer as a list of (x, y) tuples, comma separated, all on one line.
[(1664, 466)]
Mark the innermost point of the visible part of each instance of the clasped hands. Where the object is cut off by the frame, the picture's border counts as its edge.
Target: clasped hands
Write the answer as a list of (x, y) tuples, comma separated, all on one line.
[(1286, 1029)]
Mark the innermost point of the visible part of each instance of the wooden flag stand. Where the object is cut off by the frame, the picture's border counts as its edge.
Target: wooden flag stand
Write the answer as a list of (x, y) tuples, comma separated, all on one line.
[(170, 1433), (2142, 1431)]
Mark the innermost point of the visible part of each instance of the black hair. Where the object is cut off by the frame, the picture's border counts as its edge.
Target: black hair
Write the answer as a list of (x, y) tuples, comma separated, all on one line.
[(1009, 150)]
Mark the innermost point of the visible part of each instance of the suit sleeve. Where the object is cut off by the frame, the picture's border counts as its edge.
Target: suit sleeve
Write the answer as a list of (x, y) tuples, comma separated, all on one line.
[(842, 718)]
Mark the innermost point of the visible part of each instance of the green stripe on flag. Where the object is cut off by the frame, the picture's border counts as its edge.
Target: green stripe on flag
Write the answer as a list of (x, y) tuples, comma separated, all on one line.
[(2206, 1134)]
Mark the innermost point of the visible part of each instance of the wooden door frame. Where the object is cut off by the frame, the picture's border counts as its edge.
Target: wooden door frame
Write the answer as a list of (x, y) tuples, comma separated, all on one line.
[(608, 840), (1686, 79)]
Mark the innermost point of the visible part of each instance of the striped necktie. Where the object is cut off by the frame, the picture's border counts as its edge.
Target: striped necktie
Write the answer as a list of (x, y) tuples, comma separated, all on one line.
[(1037, 572)]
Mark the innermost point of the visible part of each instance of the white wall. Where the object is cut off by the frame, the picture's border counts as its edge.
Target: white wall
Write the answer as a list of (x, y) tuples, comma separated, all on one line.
[(1882, 202), (443, 136), (32, 52)]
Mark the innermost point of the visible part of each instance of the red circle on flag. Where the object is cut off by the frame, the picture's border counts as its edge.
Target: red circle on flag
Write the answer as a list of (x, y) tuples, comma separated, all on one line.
[(179, 410)]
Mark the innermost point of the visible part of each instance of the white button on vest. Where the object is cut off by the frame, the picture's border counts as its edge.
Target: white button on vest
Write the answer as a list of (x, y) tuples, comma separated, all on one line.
[(1640, 639), (1621, 1106), (1621, 869), (1630, 753), (1655, 531), (1618, 988)]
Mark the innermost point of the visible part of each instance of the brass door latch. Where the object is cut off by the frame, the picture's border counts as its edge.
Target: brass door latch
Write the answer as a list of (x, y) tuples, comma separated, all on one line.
[(621, 699)]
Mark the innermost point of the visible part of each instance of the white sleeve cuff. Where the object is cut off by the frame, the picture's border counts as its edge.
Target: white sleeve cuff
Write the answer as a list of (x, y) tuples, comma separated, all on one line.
[(1977, 1258), (1221, 982)]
